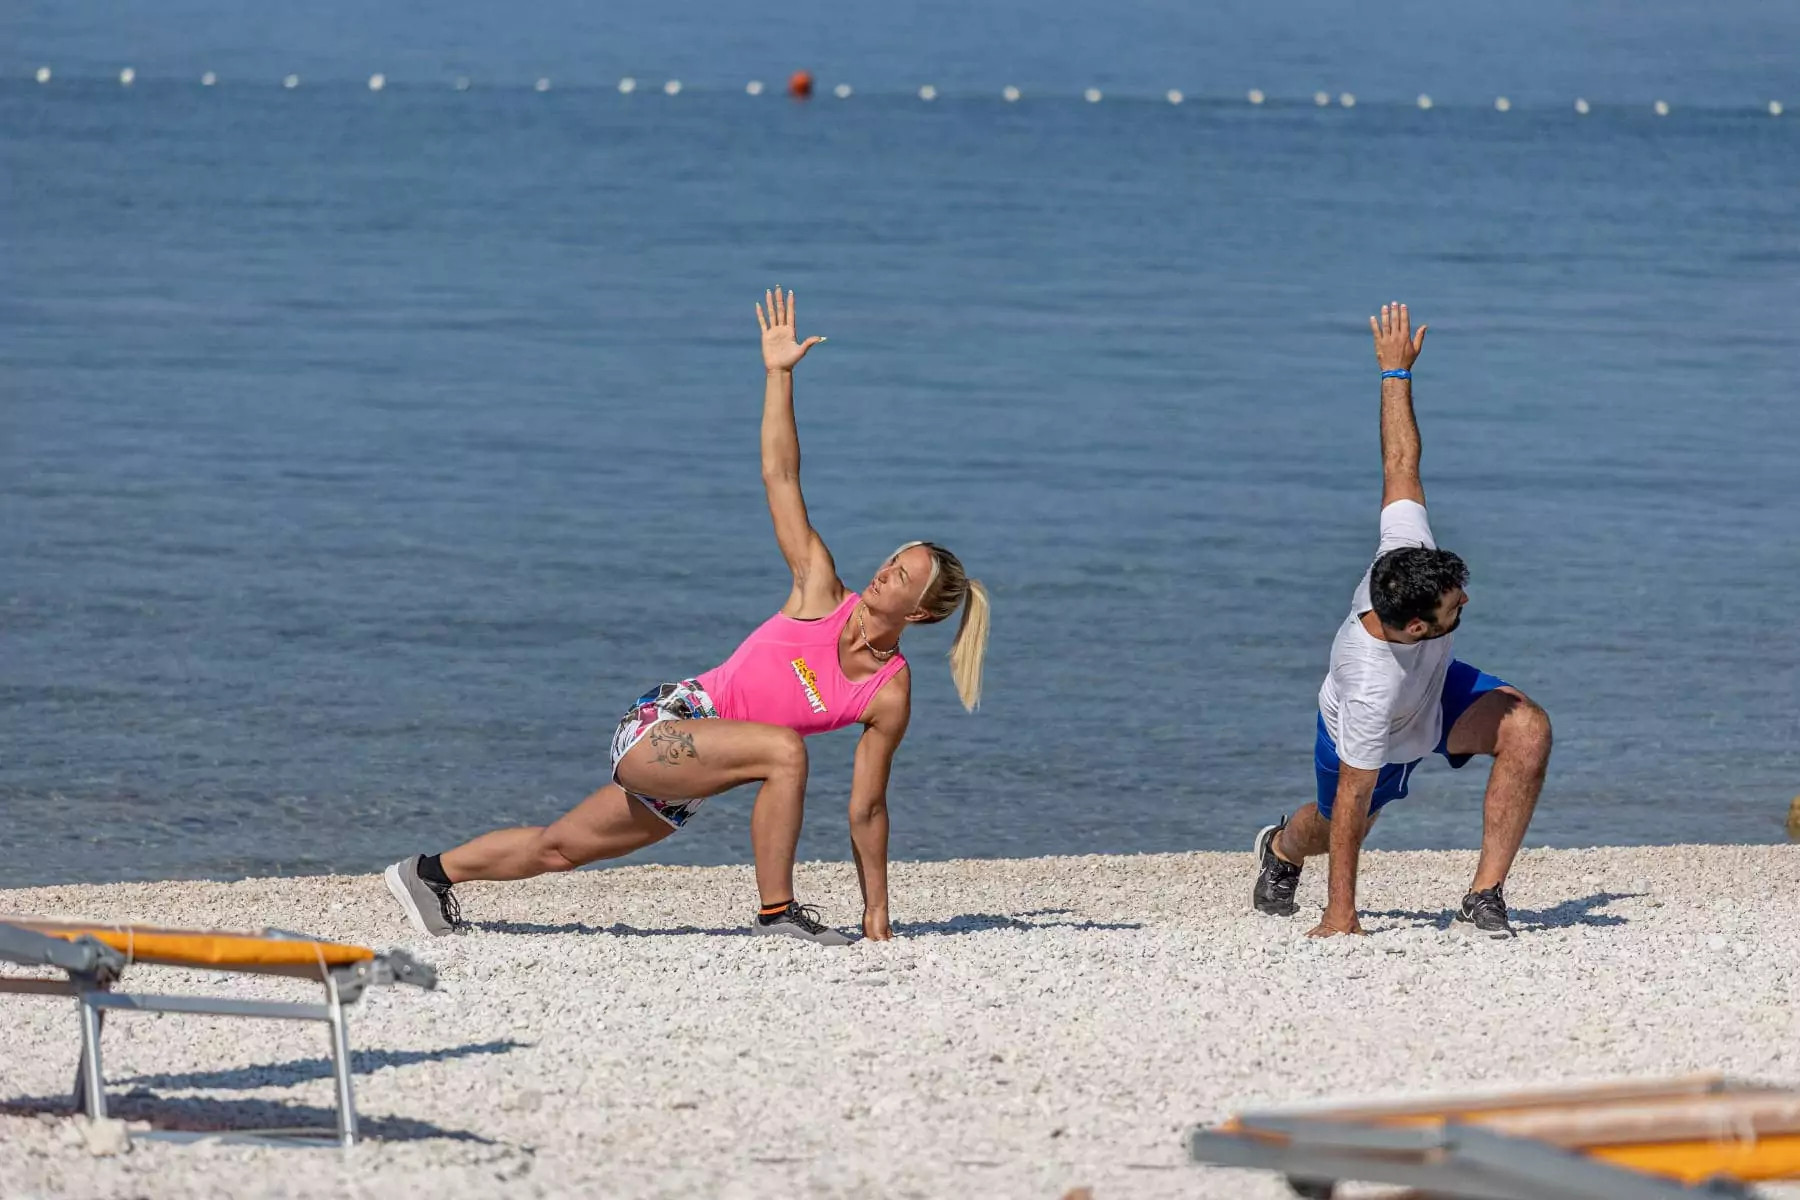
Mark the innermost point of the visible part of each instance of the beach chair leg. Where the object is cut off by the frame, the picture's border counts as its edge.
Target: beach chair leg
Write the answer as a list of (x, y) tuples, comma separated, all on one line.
[(340, 1065), (90, 1079)]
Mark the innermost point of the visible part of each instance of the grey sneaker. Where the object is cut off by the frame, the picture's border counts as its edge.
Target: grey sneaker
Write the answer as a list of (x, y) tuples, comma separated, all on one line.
[(800, 921), (431, 910), (1486, 911)]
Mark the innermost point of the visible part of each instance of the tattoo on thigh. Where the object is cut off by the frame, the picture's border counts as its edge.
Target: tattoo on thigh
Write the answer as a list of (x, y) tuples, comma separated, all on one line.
[(672, 745)]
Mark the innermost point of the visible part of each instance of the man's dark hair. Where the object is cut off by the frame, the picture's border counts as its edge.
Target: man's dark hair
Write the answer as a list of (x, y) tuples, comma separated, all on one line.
[(1411, 581)]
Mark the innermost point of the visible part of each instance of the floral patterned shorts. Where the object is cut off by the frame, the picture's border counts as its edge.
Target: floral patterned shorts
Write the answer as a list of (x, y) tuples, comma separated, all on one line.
[(684, 701)]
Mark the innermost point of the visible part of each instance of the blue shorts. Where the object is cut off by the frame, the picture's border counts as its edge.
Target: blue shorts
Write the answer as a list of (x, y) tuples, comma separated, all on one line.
[(1463, 686)]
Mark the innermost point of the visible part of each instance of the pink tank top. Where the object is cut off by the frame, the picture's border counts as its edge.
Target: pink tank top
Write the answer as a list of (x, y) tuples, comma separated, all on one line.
[(787, 673)]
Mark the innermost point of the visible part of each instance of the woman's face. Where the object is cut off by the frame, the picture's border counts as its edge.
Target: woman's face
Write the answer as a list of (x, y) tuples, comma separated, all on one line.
[(900, 584)]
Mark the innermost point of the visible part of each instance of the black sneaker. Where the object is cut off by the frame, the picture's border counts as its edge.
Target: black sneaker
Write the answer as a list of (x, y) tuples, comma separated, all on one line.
[(431, 909), (799, 921), (1486, 911), (1276, 879)]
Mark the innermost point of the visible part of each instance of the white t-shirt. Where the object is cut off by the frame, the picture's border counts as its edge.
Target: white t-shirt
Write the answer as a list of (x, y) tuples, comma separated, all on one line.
[(1380, 700)]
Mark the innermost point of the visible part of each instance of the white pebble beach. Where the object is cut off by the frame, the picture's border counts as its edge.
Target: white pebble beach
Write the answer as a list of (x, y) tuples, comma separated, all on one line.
[(1039, 1025)]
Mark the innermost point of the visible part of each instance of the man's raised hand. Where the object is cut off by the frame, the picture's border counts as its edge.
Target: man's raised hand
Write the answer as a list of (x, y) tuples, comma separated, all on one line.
[(1396, 345), (781, 349)]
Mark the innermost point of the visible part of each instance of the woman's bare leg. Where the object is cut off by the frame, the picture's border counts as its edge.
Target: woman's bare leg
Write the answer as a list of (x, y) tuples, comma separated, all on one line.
[(608, 824), (676, 760), (681, 760)]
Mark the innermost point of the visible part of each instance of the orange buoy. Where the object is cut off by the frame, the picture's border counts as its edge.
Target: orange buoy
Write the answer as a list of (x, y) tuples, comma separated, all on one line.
[(800, 84)]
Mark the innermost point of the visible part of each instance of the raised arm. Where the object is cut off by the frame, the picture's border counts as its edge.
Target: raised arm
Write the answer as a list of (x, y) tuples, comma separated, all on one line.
[(817, 589), (885, 726), (1396, 349)]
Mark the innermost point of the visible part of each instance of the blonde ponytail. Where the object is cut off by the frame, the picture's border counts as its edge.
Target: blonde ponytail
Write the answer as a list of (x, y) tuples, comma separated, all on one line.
[(948, 589), (969, 650)]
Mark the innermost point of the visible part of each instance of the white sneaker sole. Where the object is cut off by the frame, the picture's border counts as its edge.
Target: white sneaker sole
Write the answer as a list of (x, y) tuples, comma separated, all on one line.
[(414, 917), (799, 935)]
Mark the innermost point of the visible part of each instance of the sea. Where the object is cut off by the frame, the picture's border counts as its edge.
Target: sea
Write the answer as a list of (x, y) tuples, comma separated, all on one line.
[(366, 447)]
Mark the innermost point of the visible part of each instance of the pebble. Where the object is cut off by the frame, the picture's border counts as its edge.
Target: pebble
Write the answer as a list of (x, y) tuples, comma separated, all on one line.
[(104, 1138), (527, 1100)]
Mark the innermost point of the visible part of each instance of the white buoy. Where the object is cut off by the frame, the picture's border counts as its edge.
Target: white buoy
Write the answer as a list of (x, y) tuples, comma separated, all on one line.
[(1255, 96), (1502, 104), (1581, 106), (627, 86), (1347, 100), (1774, 105), (462, 83), (928, 93), (1010, 94), (1321, 98), (377, 82), (1424, 100), (43, 74), (290, 82), (1174, 96), (542, 85), (672, 88), (1093, 95), (208, 79), (1662, 108), (843, 91), (753, 88), (127, 77)]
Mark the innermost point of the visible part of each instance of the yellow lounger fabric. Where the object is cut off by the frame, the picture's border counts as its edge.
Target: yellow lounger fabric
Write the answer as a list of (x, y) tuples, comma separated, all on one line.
[(1753, 1160), (206, 948)]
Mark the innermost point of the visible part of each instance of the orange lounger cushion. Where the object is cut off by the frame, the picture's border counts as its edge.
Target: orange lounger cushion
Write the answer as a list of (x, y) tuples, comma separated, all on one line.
[(207, 948)]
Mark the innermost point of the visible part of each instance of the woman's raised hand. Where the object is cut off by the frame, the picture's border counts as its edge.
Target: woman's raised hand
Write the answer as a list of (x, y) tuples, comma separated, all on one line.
[(781, 349)]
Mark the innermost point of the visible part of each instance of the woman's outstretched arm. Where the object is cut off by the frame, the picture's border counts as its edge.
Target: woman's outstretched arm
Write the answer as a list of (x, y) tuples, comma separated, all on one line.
[(817, 589)]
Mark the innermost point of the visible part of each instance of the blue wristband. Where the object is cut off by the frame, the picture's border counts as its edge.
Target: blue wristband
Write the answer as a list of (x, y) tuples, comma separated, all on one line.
[(1401, 374)]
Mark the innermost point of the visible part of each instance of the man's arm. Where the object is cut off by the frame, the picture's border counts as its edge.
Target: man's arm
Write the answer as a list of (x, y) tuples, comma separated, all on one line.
[(1397, 347), (1349, 826), (885, 727)]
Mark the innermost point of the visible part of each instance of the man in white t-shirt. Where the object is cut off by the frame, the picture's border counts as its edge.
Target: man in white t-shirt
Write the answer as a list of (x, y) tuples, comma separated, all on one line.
[(1395, 694)]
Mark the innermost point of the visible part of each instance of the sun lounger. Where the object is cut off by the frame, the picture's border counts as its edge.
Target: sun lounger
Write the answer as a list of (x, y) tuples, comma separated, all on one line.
[(93, 958), (1684, 1138)]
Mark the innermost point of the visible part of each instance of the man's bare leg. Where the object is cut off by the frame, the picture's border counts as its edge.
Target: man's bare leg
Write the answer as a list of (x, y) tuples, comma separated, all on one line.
[(1304, 835), (1506, 724), (1308, 834)]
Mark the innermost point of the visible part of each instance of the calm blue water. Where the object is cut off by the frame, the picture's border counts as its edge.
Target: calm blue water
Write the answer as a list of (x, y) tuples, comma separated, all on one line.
[(363, 455)]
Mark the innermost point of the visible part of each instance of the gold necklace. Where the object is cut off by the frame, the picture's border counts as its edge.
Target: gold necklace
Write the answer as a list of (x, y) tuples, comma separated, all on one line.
[(880, 655)]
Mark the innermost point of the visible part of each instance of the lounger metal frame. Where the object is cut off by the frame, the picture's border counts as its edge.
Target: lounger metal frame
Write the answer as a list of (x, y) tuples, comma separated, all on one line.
[(91, 968), (1452, 1161)]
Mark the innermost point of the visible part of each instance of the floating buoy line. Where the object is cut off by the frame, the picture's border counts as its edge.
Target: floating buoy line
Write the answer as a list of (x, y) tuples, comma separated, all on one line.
[(800, 86)]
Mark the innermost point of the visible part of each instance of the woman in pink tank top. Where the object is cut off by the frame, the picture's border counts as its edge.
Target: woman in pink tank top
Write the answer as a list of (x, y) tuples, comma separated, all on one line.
[(830, 658)]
